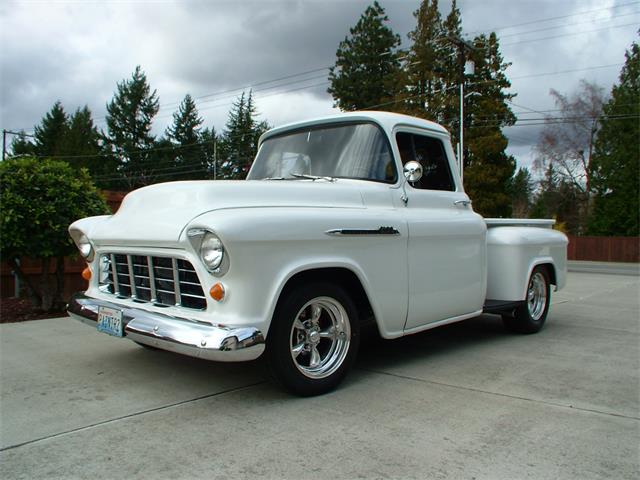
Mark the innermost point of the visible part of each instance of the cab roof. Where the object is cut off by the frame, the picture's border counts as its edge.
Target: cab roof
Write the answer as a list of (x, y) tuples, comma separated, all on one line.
[(387, 120)]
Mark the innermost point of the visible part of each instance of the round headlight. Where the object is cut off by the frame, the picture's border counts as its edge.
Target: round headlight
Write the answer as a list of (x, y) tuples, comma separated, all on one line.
[(211, 251), (84, 246)]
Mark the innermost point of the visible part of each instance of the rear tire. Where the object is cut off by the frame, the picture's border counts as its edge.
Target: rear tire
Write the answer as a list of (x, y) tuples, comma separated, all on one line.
[(313, 339), (531, 315)]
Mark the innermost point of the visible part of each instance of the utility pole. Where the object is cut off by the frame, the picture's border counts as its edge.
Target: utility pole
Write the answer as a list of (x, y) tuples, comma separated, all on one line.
[(463, 46), (215, 157), (4, 140)]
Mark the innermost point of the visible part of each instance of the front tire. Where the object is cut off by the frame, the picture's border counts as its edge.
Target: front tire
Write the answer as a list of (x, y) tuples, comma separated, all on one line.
[(313, 339), (531, 315), (148, 347)]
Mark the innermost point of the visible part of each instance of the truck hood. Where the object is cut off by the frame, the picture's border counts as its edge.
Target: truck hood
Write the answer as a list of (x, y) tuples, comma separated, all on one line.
[(157, 215)]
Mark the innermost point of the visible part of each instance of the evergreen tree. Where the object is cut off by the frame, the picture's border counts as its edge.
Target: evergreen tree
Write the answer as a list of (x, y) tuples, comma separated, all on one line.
[(185, 129), (240, 140), (428, 87), (50, 134), (521, 192), (231, 146), (557, 198), (422, 88), (449, 71), (129, 117), (210, 141), (367, 63), (163, 157), (81, 144), (487, 167), (184, 134), (615, 168)]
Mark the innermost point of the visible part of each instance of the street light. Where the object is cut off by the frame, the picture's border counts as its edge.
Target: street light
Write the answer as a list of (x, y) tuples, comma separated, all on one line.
[(468, 69)]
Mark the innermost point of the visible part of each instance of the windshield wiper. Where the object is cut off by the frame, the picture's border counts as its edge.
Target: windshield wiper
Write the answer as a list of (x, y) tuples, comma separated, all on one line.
[(312, 177)]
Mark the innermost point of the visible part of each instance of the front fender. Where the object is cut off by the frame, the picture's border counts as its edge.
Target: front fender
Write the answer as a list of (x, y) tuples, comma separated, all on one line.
[(268, 246)]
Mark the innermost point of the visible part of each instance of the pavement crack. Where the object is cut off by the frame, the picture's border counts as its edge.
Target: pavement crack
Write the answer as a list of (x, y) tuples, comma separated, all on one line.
[(497, 394), (130, 415)]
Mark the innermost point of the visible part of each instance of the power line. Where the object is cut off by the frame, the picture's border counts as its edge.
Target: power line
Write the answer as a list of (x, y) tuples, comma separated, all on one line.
[(568, 25), (484, 122), (209, 96), (395, 101), (549, 19), (286, 77), (368, 108), (173, 171), (519, 42), (560, 72), (259, 97), (319, 69), (253, 85)]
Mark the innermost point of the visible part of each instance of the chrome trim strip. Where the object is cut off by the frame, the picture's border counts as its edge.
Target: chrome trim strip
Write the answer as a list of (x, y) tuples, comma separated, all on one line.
[(363, 231), (176, 281), (180, 335), (152, 280), (132, 278), (114, 273)]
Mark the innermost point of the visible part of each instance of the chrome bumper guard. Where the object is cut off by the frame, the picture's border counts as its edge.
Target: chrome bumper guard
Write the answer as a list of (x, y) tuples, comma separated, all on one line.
[(196, 339)]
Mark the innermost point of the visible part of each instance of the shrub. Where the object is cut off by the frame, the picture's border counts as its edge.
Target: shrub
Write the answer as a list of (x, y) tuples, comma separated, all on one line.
[(38, 200)]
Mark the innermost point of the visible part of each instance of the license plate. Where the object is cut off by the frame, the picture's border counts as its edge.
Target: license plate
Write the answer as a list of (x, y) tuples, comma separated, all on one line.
[(110, 321)]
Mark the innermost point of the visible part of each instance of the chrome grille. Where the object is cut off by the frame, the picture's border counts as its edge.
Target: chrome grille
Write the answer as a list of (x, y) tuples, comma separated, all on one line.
[(163, 281)]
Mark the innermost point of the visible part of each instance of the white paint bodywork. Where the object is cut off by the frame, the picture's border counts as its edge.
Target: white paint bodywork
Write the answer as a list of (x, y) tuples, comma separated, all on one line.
[(440, 268), (514, 252)]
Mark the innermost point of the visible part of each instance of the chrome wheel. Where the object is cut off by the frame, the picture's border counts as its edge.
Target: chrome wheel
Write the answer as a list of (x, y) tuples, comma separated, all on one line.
[(537, 296), (320, 337)]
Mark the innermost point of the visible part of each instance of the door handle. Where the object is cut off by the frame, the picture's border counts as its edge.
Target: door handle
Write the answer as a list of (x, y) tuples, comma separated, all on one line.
[(465, 203)]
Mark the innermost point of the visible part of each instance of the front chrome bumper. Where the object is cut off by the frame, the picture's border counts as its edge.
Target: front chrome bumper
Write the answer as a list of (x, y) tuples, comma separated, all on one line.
[(196, 339)]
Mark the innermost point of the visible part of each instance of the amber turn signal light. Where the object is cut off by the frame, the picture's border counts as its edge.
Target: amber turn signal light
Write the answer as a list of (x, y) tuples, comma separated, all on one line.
[(217, 292), (86, 274)]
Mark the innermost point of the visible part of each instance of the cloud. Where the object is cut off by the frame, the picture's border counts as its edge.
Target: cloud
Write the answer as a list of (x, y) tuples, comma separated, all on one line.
[(77, 51)]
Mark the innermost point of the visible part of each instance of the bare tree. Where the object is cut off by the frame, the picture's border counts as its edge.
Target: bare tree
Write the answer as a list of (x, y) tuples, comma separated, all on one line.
[(568, 137)]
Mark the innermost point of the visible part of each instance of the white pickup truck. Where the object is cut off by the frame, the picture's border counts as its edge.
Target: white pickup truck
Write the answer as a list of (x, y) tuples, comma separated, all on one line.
[(345, 221)]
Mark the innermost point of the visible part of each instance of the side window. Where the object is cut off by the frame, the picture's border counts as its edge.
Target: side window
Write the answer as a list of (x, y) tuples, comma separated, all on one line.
[(430, 153)]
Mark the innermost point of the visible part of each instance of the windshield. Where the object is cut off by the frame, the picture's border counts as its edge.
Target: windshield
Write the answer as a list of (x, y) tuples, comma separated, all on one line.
[(359, 151)]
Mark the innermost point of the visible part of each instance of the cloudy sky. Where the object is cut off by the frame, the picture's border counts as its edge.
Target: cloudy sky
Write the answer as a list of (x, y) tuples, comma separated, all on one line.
[(76, 52)]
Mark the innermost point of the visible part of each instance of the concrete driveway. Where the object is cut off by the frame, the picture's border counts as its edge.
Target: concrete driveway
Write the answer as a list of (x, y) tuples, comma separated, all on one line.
[(464, 401)]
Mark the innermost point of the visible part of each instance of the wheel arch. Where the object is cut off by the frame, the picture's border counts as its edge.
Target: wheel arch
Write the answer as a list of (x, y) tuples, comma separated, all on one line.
[(346, 277), (550, 267)]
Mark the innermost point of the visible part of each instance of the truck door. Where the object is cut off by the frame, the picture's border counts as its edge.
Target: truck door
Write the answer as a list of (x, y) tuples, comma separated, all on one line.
[(446, 248)]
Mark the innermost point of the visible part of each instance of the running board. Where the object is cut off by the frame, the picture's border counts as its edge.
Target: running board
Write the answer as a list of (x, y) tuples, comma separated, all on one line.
[(500, 306)]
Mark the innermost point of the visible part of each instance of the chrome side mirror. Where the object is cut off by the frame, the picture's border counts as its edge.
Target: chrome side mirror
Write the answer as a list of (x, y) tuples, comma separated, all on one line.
[(412, 171)]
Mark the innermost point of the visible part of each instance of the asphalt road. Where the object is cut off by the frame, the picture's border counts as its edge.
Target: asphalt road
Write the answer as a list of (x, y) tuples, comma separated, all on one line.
[(464, 401)]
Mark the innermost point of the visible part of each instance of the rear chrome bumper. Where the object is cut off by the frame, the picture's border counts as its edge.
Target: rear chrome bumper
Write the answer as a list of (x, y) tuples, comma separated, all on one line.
[(179, 335)]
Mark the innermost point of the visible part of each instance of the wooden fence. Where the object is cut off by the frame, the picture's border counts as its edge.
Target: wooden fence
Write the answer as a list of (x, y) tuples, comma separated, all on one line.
[(604, 249)]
